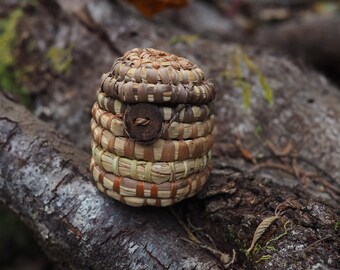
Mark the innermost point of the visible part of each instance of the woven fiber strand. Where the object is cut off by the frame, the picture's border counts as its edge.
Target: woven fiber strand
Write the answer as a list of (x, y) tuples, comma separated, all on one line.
[(176, 130), (154, 172), (187, 115), (161, 150), (133, 92), (154, 66), (138, 202), (133, 188)]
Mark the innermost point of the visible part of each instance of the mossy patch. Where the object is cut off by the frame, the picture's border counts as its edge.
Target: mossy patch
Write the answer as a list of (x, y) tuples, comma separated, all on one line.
[(337, 226), (246, 75), (10, 75), (187, 39), (60, 59)]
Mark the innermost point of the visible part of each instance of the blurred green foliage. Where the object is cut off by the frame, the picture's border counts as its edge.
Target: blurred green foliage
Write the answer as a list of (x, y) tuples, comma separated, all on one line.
[(60, 59), (10, 76)]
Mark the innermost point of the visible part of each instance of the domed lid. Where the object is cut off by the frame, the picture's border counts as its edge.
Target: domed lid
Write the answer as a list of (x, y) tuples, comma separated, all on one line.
[(149, 75)]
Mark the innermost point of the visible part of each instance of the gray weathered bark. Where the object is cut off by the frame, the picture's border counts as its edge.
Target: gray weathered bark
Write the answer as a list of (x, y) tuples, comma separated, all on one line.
[(45, 180)]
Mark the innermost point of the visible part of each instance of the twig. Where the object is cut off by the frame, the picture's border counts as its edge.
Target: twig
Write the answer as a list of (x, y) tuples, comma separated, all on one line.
[(317, 242), (325, 183), (280, 152), (294, 170), (191, 236), (223, 257), (201, 231), (272, 165)]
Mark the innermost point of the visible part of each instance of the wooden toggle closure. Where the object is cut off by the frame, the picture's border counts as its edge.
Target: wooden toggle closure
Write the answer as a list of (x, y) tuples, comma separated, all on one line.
[(143, 122)]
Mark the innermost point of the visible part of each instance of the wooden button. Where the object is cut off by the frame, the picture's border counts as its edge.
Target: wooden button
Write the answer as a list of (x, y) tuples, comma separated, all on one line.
[(143, 122)]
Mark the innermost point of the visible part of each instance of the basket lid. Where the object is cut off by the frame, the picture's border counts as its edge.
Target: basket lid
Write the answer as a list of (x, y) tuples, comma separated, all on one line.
[(154, 76)]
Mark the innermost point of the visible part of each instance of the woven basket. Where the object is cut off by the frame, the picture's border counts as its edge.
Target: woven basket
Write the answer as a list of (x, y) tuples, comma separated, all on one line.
[(152, 129)]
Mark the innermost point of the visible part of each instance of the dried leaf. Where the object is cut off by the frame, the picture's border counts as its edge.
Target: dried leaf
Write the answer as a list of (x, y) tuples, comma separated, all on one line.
[(280, 152), (260, 230), (150, 7), (247, 155), (289, 203)]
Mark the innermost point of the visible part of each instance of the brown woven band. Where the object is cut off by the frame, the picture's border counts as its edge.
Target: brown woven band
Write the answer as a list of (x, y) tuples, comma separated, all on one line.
[(133, 188), (175, 130), (133, 92), (153, 172), (161, 150), (188, 115)]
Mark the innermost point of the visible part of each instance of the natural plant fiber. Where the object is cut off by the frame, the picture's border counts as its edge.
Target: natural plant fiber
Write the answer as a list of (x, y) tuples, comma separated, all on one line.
[(133, 188), (153, 66), (161, 150), (138, 202), (175, 130), (153, 172), (133, 92), (149, 75), (188, 115)]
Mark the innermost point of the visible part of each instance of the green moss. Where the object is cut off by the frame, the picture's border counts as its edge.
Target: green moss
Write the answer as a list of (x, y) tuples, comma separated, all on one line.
[(337, 226), (264, 258), (254, 253), (245, 74), (10, 76), (60, 59), (187, 39), (258, 130)]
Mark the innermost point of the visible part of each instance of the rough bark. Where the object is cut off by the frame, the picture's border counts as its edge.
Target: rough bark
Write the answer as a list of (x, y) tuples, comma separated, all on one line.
[(45, 179)]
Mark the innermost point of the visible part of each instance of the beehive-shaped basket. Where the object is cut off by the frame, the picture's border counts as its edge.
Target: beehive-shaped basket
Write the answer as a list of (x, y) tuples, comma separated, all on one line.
[(152, 129)]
